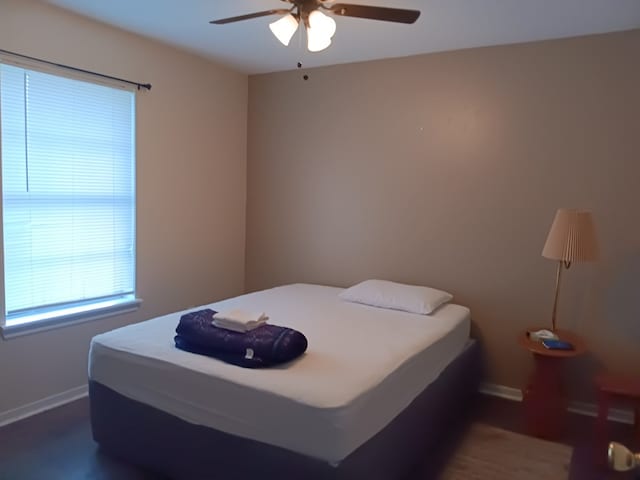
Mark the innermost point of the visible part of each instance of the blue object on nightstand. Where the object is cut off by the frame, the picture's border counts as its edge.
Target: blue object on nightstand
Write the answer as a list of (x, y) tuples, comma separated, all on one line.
[(553, 344)]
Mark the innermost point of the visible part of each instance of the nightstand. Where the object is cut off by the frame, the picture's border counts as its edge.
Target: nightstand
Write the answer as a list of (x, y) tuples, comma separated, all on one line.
[(544, 400)]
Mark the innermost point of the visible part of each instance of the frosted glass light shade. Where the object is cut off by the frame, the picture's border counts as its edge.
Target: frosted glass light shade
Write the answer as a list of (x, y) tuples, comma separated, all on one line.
[(284, 28), (320, 30), (317, 42), (324, 23), (572, 237)]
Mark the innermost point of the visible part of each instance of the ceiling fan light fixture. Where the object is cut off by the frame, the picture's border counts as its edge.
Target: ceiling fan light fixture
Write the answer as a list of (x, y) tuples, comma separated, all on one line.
[(319, 31), (319, 27), (284, 28), (323, 23), (317, 43)]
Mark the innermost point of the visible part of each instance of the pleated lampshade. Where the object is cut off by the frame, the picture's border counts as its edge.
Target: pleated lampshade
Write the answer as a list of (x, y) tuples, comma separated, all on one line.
[(572, 237)]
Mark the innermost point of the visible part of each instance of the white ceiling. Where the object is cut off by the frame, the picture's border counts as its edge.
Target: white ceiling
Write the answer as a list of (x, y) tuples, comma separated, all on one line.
[(250, 47)]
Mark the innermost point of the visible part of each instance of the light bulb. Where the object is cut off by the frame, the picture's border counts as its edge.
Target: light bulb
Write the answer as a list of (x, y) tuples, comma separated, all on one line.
[(284, 28)]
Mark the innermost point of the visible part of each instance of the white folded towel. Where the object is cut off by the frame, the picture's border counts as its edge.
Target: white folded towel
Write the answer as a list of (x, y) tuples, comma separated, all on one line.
[(239, 320)]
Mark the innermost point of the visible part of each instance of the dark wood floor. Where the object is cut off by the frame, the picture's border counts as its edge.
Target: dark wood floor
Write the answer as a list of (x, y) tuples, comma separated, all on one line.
[(57, 445)]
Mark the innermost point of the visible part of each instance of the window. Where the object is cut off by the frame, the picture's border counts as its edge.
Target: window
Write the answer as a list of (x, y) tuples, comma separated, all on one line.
[(68, 199)]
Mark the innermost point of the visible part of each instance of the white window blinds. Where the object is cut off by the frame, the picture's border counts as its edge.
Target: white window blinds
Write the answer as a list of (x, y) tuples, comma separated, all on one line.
[(68, 192)]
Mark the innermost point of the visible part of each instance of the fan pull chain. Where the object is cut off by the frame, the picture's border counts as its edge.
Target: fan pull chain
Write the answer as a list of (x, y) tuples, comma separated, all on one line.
[(302, 52), (305, 76)]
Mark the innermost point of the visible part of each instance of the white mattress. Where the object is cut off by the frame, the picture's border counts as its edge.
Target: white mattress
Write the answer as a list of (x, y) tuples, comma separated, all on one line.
[(363, 366)]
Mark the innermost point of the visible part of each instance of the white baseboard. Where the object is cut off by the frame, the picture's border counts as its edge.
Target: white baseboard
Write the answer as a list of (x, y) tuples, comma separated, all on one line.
[(43, 405), (501, 391), (620, 415)]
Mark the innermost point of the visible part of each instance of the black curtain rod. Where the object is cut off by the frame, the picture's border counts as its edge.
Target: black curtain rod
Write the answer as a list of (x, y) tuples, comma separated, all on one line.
[(139, 85)]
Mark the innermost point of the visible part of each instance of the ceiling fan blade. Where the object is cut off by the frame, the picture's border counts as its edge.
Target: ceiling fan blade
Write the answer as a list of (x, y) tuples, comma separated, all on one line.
[(386, 14), (222, 21)]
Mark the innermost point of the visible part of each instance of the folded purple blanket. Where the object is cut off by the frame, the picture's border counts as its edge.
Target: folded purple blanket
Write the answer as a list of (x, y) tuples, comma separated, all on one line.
[(262, 347)]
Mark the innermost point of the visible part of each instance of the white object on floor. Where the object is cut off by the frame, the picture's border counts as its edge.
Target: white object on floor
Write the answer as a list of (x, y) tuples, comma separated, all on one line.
[(239, 320), (364, 365)]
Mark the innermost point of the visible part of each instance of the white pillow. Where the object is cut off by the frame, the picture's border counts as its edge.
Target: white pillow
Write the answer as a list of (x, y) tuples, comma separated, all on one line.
[(397, 296)]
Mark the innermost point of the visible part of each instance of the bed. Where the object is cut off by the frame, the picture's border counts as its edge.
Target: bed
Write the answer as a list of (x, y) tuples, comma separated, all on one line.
[(369, 399)]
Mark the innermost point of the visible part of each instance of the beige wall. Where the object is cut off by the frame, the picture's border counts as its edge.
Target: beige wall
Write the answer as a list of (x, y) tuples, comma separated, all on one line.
[(446, 170), (191, 184)]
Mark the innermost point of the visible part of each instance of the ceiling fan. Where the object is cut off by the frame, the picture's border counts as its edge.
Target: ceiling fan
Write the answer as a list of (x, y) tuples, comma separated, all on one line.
[(320, 27)]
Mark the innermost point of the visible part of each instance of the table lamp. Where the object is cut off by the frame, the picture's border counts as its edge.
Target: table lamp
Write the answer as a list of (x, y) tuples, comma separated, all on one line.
[(572, 238)]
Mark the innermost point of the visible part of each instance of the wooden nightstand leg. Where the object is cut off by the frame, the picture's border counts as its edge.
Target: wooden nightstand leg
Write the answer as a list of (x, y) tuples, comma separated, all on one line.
[(544, 400)]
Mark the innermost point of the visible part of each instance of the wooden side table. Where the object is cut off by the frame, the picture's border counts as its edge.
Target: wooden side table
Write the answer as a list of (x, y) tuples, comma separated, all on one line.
[(545, 403)]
